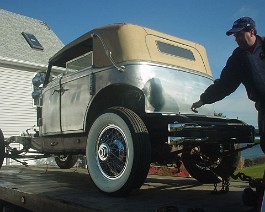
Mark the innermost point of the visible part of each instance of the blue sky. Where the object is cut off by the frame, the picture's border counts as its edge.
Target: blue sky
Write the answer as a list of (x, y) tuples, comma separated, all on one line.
[(204, 22)]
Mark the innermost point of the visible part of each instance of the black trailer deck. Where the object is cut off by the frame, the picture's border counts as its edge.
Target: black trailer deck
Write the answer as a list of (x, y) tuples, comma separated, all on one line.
[(48, 188)]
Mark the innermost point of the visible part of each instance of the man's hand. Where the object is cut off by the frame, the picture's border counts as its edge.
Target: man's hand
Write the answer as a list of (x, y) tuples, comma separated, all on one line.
[(196, 105)]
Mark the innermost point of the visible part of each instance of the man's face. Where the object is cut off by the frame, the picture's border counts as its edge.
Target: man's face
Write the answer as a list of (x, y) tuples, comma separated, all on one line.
[(245, 39)]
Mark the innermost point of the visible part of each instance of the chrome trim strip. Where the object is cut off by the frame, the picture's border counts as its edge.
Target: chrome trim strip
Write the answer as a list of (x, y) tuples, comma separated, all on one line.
[(179, 140), (180, 126)]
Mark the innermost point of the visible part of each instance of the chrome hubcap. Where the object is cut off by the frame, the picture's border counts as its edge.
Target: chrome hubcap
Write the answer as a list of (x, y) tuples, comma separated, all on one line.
[(103, 152)]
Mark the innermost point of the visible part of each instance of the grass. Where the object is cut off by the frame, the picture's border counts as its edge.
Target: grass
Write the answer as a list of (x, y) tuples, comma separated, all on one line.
[(256, 171)]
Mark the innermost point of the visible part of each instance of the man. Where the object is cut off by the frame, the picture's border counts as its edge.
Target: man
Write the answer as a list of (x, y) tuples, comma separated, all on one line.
[(246, 65)]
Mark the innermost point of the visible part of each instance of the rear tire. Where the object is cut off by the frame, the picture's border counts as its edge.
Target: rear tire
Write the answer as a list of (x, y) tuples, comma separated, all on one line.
[(207, 164), (118, 152), (2, 148), (66, 161)]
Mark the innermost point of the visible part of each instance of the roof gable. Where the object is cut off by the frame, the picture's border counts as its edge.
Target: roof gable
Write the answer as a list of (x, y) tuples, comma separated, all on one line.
[(13, 44)]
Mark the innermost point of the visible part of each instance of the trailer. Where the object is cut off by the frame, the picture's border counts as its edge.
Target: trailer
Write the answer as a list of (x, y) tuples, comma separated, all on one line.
[(49, 188)]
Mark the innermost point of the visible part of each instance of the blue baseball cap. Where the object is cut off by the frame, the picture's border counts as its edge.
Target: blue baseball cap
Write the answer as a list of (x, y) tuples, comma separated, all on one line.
[(244, 23)]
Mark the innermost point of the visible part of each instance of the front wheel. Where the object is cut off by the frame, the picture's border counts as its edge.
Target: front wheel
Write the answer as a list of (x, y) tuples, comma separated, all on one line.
[(209, 162), (118, 151), (66, 161), (2, 148)]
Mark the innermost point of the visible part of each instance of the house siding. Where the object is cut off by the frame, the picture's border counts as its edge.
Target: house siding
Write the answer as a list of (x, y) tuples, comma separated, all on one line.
[(16, 110)]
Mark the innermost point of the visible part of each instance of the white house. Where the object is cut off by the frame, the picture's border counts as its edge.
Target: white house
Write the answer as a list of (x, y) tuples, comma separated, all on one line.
[(26, 44)]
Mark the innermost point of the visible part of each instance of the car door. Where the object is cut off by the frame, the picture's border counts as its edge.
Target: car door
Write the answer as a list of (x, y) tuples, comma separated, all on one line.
[(51, 120), (75, 97)]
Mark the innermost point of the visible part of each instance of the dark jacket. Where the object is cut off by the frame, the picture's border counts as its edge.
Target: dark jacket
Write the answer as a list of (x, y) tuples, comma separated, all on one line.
[(236, 71)]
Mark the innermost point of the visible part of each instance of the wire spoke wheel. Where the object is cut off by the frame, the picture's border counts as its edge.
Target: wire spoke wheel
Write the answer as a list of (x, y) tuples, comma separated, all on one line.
[(118, 151), (112, 152), (207, 163), (66, 161)]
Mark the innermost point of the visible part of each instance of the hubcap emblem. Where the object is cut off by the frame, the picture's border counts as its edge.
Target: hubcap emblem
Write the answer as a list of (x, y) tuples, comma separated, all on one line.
[(103, 152)]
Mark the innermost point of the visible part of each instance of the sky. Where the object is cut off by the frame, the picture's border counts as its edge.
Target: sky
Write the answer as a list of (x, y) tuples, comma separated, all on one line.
[(201, 21)]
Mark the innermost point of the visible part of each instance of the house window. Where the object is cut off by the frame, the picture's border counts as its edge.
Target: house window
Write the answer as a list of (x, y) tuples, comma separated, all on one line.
[(32, 41), (175, 50)]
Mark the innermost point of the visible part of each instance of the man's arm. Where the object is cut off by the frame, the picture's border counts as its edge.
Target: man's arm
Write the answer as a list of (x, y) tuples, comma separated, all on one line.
[(229, 81)]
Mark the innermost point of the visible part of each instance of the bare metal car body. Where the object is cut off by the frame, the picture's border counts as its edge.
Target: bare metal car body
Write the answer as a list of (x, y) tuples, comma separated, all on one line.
[(168, 82), (137, 85)]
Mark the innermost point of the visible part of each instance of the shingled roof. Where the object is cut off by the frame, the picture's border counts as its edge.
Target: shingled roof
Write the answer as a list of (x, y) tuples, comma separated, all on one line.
[(14, 46)]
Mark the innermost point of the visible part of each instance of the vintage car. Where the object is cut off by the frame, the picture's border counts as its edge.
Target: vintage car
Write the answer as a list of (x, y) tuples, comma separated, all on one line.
[(121, 95)]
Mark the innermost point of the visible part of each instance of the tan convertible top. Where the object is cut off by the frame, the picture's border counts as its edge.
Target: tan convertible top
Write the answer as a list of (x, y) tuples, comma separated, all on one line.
[(129, 42)]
